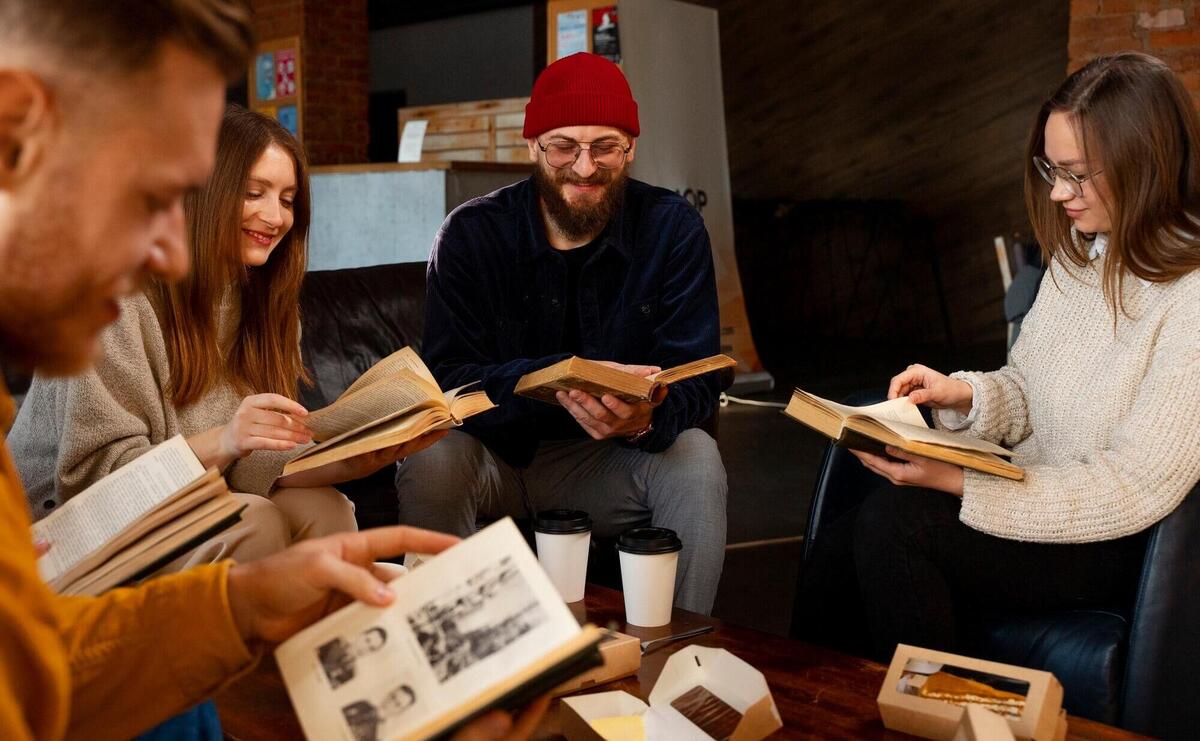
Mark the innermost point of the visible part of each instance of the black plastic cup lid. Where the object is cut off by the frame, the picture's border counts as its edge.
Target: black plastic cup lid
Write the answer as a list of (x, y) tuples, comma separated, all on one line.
[(645, 541), (562, 522)]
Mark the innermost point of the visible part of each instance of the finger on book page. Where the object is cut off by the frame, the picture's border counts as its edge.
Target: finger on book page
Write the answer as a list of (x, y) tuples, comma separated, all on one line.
[(387, 542)]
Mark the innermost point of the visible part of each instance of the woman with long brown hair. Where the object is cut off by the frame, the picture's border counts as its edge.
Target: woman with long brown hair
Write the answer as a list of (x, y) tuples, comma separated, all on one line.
[(215, 358), (1099, 401)]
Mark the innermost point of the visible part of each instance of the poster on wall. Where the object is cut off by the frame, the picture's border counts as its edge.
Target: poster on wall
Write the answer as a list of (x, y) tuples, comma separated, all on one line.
[(285, 73), (605, 40), (572, 32), (288, 117), (264, 76)]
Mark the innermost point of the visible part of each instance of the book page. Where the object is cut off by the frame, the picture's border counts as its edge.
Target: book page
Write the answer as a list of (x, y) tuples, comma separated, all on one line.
[(461, 624), (383, 399), (400, 429), (468, 404), (99, 513), (403, 359), (693, 369), (941, 437), (899, 410)]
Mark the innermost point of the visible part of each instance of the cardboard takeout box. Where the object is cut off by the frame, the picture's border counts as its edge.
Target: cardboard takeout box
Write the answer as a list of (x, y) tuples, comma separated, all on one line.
[(925, 693), (702, 694)]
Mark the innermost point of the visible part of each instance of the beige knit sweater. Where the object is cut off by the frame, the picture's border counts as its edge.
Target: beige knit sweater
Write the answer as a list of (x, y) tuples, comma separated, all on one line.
[(1105, 419), (71, 432)]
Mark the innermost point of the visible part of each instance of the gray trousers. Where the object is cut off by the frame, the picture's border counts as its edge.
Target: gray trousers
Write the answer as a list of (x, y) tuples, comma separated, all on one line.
[(458, 481)]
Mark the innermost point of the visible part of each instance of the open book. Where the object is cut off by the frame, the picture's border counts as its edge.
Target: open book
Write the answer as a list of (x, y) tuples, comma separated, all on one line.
[(898, 423), (598, 379), (479, 626), (395, 401), (134, 520)]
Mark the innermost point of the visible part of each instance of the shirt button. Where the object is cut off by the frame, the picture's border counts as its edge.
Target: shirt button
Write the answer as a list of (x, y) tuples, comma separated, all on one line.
[(554, 302), (646, 309)]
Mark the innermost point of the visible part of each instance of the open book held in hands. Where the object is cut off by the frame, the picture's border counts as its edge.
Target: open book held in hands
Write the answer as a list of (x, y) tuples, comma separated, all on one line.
[(898, 423), (598, 379), (479, 626), (134, 520), (395, 401)]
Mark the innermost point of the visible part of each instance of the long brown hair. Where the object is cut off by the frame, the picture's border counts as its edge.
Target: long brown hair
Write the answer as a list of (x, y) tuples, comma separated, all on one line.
[(265, 353), (1137, 122)]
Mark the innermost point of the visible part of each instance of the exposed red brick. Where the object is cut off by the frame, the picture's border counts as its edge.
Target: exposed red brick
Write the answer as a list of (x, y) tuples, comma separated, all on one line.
[(1097, 27), (1174, 39)]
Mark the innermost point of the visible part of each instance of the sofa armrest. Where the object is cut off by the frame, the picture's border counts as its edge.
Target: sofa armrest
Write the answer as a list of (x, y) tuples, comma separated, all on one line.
[(1159, 695), (842, 482)]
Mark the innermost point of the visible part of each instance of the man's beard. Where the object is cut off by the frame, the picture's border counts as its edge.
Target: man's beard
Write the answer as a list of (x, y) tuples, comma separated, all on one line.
[(586, 220)]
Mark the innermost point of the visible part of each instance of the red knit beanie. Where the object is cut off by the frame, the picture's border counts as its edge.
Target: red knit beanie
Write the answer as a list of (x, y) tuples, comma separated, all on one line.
[(581, 90)]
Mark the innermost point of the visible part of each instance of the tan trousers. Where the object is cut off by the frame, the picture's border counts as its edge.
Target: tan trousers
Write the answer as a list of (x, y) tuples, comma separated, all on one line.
[(270, 524)]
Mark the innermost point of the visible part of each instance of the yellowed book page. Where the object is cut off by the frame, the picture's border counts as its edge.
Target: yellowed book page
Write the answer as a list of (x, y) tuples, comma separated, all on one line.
[(693, 369), (403, 359), (398, 430), (468, 404), (894, 410), (154, 546), (381, 400), (941, 437), (106, 508)]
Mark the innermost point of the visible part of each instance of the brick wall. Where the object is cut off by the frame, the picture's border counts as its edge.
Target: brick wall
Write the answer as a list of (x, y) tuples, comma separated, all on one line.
[(334, 46), (1168, 29)]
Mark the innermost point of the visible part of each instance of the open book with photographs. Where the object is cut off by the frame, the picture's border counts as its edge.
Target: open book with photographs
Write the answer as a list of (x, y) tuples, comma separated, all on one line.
[(134, 520), (395, 401), (898, 422), (479, 626)]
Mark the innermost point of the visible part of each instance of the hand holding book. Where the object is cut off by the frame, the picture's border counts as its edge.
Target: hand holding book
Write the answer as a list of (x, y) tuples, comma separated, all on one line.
[(906, 469), (607, 416)]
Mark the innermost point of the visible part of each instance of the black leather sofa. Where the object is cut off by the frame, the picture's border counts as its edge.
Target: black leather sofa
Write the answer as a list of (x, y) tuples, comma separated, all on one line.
[(1132, 665), (351, 319)]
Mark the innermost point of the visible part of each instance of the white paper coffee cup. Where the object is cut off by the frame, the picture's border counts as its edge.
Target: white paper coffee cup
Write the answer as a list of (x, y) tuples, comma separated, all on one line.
[(563, 538), (649, 556)]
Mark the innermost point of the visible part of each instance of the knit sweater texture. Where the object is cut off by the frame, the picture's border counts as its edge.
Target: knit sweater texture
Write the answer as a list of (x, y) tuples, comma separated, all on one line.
[(71, 432), (1102, 411)]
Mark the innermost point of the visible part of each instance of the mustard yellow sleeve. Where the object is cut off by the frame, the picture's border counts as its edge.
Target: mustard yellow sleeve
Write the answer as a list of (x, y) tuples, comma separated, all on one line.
[(34, 683), (138, 656)]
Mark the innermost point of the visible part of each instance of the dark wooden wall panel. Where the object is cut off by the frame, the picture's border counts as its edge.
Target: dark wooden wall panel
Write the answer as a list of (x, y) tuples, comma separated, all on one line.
[(925, 102)]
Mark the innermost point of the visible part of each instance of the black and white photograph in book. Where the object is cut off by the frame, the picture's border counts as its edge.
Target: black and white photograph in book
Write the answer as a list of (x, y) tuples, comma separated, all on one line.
[(475, 619), (338, 656), (369, 721)]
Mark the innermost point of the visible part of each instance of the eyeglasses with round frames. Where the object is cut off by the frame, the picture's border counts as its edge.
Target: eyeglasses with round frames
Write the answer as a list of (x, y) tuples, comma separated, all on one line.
[(605, 154), (1051, 173)]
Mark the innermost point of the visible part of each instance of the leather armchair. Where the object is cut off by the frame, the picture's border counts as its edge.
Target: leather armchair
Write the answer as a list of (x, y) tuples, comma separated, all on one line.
[(1132, 665)]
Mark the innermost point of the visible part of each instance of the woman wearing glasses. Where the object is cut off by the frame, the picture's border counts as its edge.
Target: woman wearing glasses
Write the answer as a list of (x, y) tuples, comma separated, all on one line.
[(1099, 401)]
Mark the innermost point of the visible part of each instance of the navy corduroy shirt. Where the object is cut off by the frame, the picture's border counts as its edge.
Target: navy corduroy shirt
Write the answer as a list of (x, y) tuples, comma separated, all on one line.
[(495, 309)]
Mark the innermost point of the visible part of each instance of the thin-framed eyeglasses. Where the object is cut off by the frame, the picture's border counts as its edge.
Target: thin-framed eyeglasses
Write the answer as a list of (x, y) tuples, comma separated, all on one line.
[(1051, 173), (606, 154)]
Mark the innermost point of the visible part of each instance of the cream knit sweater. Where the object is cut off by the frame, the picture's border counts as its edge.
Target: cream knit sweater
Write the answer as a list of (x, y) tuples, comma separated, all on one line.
[(71, 432), (1104, 418)]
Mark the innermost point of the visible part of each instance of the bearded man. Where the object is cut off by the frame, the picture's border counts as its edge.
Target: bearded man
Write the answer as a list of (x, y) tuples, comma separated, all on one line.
[(580, 259)]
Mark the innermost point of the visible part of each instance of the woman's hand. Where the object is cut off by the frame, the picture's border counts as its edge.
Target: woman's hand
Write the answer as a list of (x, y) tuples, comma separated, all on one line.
[(913, 470), (261, 422), (360, 465), (926, 386)]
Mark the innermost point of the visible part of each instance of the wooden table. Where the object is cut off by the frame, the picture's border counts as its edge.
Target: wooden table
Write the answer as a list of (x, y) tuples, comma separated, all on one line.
[(820, 693)]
